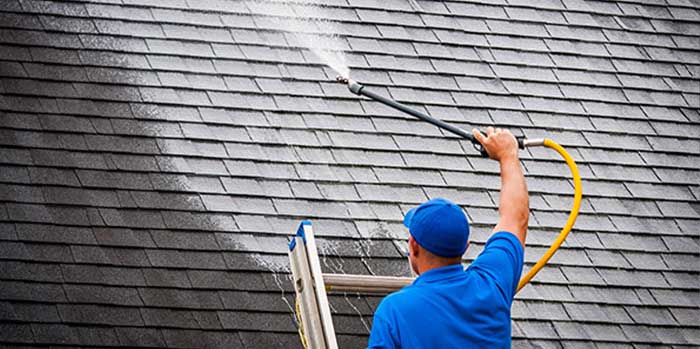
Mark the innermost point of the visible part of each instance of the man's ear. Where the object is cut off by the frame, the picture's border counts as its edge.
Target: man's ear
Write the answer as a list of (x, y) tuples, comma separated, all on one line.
[(414, 246)]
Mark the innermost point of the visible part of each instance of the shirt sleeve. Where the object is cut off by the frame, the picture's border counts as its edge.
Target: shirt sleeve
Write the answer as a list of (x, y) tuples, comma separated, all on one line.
[(382, 335), (502, 261)]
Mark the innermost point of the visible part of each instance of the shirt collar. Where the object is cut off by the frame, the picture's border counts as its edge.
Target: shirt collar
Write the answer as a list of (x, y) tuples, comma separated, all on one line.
[(440, 273)]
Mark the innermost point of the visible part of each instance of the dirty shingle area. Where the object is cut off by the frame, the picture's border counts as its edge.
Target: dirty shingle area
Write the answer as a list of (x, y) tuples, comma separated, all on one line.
[(155, 156)]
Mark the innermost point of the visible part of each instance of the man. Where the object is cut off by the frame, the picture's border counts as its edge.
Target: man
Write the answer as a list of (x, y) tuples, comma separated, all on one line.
[(447, 306)]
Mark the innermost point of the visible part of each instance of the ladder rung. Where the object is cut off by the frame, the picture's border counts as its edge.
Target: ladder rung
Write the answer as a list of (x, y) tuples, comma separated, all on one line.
[(364, 283)]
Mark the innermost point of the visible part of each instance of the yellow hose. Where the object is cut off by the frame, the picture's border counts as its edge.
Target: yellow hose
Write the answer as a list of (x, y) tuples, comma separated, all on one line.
[(578, 193)]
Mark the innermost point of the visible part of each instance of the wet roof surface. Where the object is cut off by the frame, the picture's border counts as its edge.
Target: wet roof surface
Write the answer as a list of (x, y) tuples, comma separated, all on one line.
[(156, 155)]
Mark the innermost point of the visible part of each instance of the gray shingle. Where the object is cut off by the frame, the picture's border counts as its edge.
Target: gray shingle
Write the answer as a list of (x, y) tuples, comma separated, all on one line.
[(389, 193), (175, 318), (365, 140), (13, 5), (651, 316), (608, 295), (624, 173), (166, 278), (571, 330), (583, 276), (174, 298), (607, 258), (48, 233), (111, 11), (678, 209), (91, 314), (640, 333), (547, 311), (595, 313), (390, 175), (638, 242), (184, 240), (30, 312), (185, 259), (378, 16), (617, 141), (28, 271), (89, 335), (630, 126), (680, 244), (252, 339), (298, 207), (245, 320), (139, 337), (192, 338), (43, 214), (476, 10), (110, 256), (634, 278), (559, 106), (685, 315), (658, 191), (685, 226), (102, 274), (11, 290), (681, 262)]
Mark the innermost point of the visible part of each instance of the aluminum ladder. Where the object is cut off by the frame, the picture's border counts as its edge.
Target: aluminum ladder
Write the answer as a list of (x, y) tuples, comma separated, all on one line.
[(311, 287)]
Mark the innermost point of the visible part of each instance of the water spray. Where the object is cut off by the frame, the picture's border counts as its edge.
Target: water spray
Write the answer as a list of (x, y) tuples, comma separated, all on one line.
[(361, 90)]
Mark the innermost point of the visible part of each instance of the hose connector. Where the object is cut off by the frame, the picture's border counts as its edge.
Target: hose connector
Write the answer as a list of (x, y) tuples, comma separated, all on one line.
[(538, 142)]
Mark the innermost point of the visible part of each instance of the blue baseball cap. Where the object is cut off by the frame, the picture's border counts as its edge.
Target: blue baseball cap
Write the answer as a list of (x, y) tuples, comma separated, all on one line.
[(439, 226)]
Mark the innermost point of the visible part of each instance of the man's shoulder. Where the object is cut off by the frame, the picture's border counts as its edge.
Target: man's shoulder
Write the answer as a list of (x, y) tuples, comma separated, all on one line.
[(400, 295), (502, 241), (397, 299), (504, 236)]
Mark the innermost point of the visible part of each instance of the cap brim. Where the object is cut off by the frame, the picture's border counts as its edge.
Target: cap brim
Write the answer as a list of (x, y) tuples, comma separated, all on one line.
[(408, 217)]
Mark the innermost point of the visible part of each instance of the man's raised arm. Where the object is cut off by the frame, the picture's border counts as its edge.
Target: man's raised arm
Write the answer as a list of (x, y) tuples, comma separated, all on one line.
[(514, 209)]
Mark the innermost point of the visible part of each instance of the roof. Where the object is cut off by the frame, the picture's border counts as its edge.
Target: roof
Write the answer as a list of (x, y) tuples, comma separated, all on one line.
[(155, 156)]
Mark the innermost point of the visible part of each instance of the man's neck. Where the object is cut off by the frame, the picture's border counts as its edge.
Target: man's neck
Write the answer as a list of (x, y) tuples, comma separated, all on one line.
[(430, 266)]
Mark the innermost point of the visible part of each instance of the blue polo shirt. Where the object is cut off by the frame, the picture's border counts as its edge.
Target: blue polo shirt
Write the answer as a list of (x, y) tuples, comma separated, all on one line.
[(450, 307)]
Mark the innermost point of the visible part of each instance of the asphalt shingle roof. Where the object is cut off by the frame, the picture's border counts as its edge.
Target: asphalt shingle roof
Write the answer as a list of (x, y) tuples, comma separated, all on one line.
[(155, 155)]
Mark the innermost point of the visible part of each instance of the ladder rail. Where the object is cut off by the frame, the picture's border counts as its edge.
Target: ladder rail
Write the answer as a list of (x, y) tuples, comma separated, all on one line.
[(320, 289), (307, 305)]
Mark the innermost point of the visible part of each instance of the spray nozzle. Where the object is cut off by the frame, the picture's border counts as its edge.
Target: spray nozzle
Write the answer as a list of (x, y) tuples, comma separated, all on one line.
[(342, 79), (354, 87)]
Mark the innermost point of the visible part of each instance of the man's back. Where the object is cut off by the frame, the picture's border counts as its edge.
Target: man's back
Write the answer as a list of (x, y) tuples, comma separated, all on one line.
[(449, 307)]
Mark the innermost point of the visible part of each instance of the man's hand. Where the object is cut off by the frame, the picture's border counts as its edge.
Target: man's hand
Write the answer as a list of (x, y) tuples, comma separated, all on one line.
[(499, 144)]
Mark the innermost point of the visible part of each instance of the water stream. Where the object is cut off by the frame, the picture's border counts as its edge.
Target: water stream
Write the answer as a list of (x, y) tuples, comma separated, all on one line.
[(310, 29)]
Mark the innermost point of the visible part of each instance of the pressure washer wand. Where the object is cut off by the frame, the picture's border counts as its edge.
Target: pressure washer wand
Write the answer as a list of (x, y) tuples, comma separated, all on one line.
[(360, 90)]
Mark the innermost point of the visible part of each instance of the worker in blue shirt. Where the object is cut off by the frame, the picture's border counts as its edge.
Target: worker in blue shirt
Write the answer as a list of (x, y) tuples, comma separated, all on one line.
[(448, 306)]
